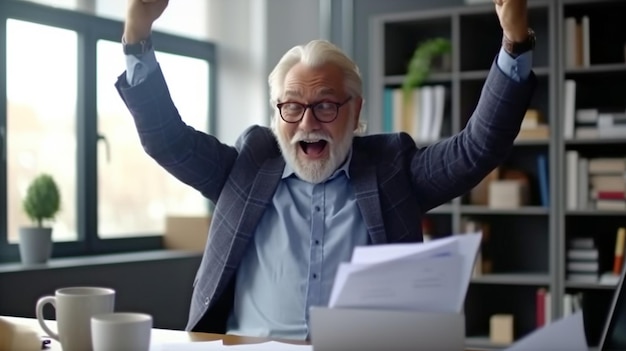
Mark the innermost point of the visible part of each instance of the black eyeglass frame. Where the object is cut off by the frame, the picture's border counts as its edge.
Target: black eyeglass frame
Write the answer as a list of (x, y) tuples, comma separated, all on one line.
[(312, 107)]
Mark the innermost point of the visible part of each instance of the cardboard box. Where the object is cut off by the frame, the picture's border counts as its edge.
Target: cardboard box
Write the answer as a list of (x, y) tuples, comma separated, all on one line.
[(501, 329), (507, 194), (479, 195), (188, 233)]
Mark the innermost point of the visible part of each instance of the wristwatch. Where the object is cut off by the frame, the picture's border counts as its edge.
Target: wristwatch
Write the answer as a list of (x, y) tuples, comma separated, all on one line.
[(138, 48), (517, 48)]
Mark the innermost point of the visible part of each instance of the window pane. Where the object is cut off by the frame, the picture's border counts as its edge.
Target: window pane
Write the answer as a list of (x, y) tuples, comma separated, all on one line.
[(68, 4), (193, 13), (41, 121), (134, 193)]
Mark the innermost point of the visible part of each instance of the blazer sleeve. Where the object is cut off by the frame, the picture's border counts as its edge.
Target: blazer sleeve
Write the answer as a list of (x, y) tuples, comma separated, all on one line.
[(453, 166), (194, 157)]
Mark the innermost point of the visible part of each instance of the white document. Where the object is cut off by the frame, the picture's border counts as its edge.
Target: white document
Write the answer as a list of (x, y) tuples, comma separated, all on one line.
[(565, 334), (428, 284), (431, 276), (219, 346)]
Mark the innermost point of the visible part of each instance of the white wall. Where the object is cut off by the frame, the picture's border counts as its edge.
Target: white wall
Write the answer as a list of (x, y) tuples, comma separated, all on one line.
[(251, 36)]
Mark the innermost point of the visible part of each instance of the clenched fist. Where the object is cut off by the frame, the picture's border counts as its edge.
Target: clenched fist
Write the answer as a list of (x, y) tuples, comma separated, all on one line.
[(140, 14), (513, 16)]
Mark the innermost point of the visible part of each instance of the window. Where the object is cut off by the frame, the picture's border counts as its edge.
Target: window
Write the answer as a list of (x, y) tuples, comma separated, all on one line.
[(68, 4), (135, 194), (63, 116), (192, 12), (41, 115)]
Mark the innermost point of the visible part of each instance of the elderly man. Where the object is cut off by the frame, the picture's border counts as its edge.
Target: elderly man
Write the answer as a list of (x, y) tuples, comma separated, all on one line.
[(293, 200)]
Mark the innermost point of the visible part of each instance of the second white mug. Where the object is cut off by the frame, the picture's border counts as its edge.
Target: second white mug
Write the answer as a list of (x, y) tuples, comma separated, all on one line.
[(121, 331)]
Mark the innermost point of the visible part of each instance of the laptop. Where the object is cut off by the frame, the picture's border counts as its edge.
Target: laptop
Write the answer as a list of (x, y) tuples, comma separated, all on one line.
[(614, 333)]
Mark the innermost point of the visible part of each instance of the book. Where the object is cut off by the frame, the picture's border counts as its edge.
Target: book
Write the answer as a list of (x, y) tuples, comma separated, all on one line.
[(542, 174), (571, 157), (540, 307), (582, 254), (569, 108), (618, 260), (582, 243), (582, 266), (610, 205), (590, 277)]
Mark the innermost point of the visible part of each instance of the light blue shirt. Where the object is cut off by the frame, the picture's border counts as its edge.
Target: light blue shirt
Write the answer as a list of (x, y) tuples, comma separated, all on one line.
[(306, 232)]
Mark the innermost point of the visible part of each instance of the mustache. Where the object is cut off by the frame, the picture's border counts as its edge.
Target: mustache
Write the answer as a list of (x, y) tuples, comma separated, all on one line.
[(302, 136)]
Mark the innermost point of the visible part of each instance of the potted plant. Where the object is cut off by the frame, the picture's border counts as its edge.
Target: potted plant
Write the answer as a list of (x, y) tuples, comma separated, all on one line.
[(42, 203), (428, 55)]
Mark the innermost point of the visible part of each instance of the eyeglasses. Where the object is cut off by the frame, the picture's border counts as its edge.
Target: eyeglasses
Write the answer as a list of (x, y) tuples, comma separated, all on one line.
[(323, 111)]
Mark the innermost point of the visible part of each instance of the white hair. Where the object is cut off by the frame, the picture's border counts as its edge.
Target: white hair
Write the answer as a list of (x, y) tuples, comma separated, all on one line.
[(314, 54)]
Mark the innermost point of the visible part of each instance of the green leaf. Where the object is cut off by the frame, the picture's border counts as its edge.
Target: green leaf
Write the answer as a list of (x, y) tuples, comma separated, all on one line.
[(43, 199), (419, 66)]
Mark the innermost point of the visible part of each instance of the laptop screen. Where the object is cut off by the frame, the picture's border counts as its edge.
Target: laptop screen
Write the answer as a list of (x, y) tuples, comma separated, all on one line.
[(614, 333)]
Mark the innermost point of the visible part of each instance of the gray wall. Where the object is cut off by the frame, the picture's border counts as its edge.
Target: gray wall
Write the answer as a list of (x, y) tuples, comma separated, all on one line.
[(251, 36)]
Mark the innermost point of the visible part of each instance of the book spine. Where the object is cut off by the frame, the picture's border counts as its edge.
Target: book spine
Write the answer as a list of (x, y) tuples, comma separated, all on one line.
[(619, 251), (540, 307)]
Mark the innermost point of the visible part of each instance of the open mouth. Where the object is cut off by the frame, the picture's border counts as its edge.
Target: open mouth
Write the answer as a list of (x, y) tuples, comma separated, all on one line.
[(313, 148)]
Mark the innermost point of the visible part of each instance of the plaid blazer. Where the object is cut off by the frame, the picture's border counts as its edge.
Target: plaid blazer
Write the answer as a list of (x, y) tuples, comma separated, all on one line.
[(395, 182)]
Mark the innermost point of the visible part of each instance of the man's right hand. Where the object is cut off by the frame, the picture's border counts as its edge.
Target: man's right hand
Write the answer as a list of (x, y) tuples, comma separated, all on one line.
[(140, 14)]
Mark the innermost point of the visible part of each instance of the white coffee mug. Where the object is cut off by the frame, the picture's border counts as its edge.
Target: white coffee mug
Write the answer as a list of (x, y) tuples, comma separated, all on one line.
[(121, 331), (74, 307)]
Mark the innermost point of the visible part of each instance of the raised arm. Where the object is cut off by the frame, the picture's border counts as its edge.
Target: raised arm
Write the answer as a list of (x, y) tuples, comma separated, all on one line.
[(453, 166), (193, 157)]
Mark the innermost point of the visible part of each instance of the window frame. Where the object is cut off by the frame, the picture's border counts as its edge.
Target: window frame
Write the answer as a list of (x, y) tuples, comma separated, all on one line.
[(89, 29)]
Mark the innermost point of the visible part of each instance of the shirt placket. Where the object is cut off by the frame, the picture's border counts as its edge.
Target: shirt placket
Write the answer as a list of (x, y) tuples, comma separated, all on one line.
[(316, 253)]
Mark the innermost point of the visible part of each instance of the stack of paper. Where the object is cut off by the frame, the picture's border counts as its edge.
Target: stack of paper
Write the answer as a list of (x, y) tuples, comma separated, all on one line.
[(430, 277)]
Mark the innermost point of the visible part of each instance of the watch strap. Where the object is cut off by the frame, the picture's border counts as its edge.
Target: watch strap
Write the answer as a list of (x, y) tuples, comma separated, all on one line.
[(517, 48), (137, 49)]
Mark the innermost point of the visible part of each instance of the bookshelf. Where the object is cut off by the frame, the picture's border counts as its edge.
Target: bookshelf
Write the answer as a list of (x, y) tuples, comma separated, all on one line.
[(599, 76), (528, 245)]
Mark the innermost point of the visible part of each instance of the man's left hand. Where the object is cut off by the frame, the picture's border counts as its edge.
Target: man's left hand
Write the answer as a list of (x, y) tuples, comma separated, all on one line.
[(513, 16)]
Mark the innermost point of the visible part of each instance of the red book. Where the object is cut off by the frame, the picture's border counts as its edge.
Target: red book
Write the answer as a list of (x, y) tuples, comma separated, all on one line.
[(540, 307), (618, 261), (610, 195)]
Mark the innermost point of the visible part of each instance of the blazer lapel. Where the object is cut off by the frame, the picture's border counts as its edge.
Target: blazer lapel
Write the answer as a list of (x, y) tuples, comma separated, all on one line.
[(259, 196), (364, 180)]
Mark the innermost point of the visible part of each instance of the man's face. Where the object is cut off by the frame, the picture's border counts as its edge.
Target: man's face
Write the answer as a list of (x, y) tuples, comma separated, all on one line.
[(315, 149)]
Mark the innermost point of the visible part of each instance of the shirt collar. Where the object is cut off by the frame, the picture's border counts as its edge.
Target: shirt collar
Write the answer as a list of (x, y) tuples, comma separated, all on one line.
[(288, 171)]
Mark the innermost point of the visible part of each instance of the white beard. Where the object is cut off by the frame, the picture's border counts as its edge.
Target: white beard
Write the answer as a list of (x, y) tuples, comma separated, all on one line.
[(315, 171)]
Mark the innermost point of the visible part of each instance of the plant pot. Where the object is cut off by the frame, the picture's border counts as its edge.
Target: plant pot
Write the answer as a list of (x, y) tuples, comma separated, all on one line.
[(35, 244)]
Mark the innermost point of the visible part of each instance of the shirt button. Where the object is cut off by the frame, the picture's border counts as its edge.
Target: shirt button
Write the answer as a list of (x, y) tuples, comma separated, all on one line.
[(317, 242), (314, 275), (206, 301), (317, 208)]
